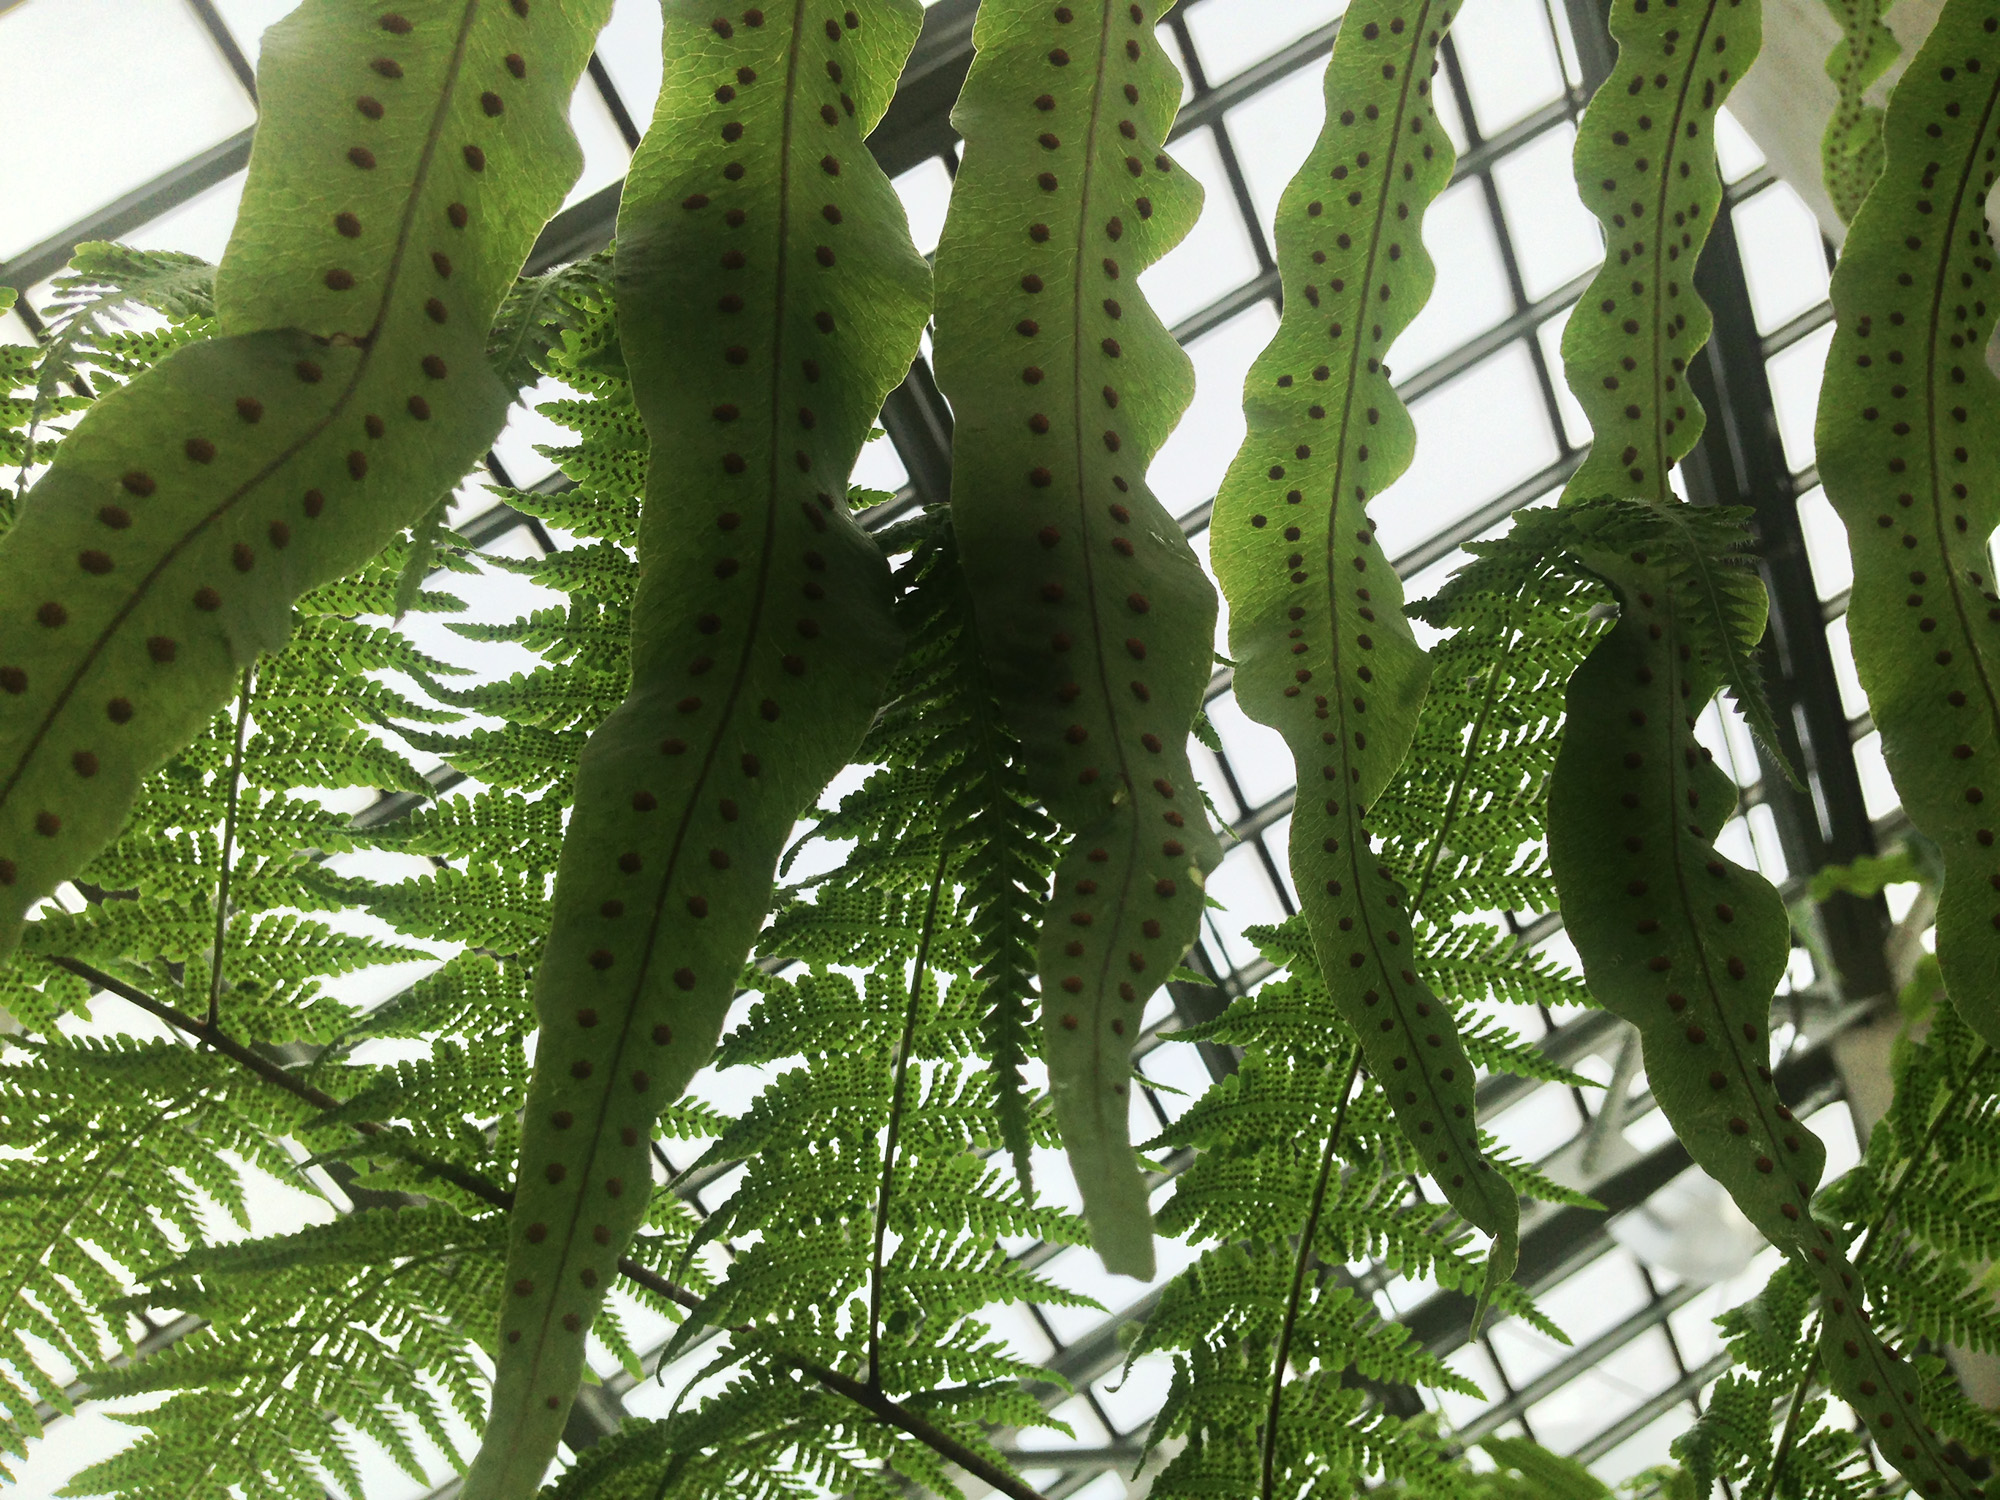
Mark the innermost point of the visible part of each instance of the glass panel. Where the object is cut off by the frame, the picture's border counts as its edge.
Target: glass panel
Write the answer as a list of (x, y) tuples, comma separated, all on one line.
[(1783, 260), (1471, 294), (1216, 255), (1257, 753), (1795, 375), (199, 226), (121, 92), (1192, 463), (1273, 134), (1555, 238), (605, 154), (1244, 888), (1735, 152), (629, 48), (1230, 35), (1509, 61), (1477, 437), (1826, 544), (926, 191), (247, 20), (1576, 426)]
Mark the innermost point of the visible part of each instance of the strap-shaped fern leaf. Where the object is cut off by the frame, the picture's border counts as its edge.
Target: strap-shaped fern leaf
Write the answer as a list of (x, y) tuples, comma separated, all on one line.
[(1907, 418), (402, 167), (1851, 149), (1091, 607), (1645, 165), (769, 297), (1680, 942), (1316, 623)]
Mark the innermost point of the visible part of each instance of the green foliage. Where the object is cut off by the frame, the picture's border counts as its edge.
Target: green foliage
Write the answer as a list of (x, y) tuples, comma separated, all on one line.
[(1323, 652), (345, 390), (372, 1314), (1645, 165), (377, 1303), (1905, 417), (872, 1202), (1851, 150), (1462, 822), (87, 350), (714, 659), (950, 785), (1525, 1470), (769, 298), (1271, 1298), (1914, 1209), (1676, 940), (1064, 384)]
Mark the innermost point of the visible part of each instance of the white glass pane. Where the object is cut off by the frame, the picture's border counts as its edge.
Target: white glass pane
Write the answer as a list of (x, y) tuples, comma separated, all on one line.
[(1853, 700), (629, 48), (1795, 375), (1782, 258), (1471, 294), (1257, 754), (1576, 425), (1826, 544), (1555, 237), (1248, 899), (1477, 437), (1191, 464), (103, 97), (1216, 256), (248, 20), (1172, 46), (1735, 153), (1230, 35), (926, 191), (605, 154), (1878, 792), (199, 226), (1273, 134), (1509, 61)]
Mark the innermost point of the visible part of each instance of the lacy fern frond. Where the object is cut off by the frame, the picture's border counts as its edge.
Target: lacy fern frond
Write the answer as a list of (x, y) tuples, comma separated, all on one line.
[(1917, 1214), (869, 1218), (89, 344)]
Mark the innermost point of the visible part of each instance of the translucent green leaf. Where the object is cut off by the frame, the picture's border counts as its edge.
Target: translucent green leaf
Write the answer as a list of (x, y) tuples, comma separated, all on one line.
[(768, 298), (1316, 624), (1907, 417), (1093, 614), (400, 172), (1851, 149)]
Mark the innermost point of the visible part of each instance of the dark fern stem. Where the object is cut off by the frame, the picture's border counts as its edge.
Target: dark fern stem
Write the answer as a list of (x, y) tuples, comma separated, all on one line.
[(1274, 1408), (904, 1047), (227, 862)]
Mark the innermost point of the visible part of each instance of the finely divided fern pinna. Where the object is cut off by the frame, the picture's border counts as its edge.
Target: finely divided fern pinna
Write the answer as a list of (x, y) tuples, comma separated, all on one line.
[(1095, 618), (1316, 622), (768, 298), (402, 167), (1908, 418)]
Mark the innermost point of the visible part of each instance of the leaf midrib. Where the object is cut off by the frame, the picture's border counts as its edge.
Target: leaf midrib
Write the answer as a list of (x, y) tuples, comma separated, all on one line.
[(1358, 838)]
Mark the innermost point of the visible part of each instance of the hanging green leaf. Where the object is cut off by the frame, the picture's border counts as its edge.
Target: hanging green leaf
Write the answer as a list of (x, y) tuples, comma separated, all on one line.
[(1316, 623), (1680, 942), (1850, 151), (769, 297), (401, 170), (1907, 418), (1095, 617)]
